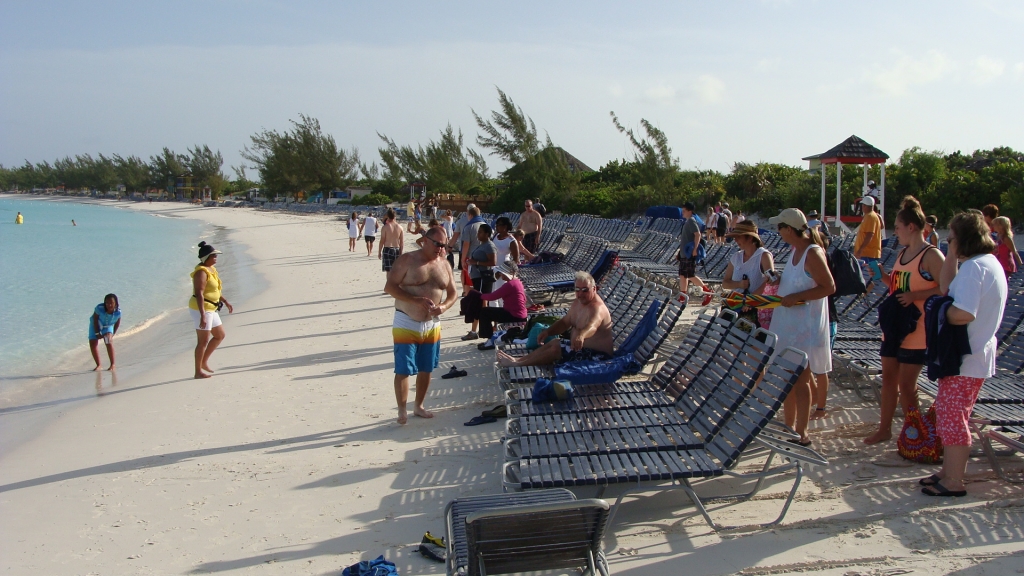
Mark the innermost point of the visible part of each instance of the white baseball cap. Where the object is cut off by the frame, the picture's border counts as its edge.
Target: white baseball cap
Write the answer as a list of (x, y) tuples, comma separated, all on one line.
[(868, 200)]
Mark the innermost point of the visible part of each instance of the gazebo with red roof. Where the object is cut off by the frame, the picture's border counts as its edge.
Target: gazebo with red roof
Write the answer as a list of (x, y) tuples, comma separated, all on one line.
[(853, 150)]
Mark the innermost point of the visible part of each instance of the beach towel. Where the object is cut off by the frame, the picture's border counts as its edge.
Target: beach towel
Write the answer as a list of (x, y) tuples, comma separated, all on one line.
[(378, 567)]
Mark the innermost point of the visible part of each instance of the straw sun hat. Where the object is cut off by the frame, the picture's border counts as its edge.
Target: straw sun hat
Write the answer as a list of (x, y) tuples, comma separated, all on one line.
[(745, 228)]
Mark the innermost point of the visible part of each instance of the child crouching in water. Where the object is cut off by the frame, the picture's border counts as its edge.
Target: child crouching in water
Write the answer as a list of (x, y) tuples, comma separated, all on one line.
[(105, 321)]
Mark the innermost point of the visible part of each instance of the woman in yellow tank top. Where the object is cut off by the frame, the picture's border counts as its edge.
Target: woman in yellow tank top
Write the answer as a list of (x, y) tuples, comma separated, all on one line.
[(914, 278), (206, 288)]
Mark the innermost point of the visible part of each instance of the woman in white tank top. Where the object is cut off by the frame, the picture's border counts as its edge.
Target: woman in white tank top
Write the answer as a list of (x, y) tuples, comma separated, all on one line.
[(508, 249), (803, 326)]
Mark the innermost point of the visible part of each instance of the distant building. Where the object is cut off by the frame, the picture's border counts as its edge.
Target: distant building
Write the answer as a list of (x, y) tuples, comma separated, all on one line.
[(336, 196)]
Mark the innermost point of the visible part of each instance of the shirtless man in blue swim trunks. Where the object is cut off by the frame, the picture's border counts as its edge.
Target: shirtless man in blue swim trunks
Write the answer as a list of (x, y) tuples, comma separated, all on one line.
[(591, 331), (423, 287)]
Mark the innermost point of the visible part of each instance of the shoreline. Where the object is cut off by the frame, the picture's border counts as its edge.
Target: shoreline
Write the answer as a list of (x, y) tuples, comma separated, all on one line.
[(33, 396)]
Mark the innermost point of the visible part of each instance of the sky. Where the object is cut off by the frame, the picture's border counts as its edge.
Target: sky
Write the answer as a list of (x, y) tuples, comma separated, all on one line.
[(727, 81)]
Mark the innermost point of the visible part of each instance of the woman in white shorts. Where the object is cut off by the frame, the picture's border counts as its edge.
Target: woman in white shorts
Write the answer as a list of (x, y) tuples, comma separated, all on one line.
[(206, 288)]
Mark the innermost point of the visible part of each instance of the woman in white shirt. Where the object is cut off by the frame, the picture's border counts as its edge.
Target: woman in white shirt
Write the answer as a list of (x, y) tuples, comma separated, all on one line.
[(802, 319), (978, 289)]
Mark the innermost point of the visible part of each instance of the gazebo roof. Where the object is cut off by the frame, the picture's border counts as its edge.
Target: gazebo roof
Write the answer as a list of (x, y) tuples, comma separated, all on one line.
[(853, 150)]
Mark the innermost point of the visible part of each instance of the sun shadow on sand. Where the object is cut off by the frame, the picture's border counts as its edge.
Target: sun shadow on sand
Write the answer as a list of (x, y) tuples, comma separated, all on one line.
[(48, 403), (339, 313), (321, 439), (422, 483), (314, 303), (321, 335), (318, 358)]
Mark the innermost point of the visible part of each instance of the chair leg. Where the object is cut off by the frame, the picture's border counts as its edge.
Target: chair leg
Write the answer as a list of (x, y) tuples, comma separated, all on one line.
[(986, 446)]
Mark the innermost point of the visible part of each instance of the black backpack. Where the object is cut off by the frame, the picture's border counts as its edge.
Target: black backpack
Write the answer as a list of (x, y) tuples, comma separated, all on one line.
[(847, 274)]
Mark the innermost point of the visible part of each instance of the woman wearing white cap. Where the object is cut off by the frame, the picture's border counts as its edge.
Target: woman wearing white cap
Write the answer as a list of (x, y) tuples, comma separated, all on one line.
[(206, 288), (803, 326)]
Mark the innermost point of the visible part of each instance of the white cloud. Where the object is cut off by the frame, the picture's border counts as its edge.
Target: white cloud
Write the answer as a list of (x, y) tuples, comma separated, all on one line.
[(769, 64), (1018, 69), (986, 69), (907, 71), (709, 89), (661, 94), (616, 91)]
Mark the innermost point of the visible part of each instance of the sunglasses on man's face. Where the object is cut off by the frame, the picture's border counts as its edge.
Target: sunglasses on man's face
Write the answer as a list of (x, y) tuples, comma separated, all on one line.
[(438, 244), (583, 290)]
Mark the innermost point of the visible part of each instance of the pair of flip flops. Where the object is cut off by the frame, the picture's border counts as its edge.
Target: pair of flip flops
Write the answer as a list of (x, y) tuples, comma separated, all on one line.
[(433, 547), (933, 487), (489, 416), (454, 373)]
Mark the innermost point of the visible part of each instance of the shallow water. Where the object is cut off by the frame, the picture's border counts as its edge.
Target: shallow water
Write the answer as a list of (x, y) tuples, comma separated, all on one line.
[(55, 273)]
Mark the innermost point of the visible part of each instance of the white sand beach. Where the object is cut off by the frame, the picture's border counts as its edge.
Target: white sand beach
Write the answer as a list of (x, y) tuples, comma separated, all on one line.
[(289, 460)]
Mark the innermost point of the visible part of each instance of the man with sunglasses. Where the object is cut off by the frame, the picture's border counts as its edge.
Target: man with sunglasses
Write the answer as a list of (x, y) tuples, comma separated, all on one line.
[(424, 288), (590, 326)]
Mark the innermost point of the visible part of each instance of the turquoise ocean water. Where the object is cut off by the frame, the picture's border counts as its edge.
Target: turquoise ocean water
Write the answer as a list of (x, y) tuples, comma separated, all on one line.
[(54, 274)]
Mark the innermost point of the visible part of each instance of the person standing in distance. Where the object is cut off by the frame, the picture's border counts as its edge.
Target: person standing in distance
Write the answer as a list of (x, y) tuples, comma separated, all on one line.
[(532, 224), (392, 240), (368, 230)]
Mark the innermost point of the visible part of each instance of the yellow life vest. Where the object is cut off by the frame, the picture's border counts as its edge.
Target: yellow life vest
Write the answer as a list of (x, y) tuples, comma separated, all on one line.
[(19, 219), (212, 292)]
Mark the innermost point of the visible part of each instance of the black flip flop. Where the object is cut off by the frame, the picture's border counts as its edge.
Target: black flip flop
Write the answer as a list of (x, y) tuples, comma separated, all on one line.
[(485, 346), (454, 373), (938, 489), (478, 420), (500, 411), (929, 481), (800, 442)]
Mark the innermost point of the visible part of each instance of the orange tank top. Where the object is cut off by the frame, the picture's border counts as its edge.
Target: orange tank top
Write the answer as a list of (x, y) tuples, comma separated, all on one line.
[(908, 278)]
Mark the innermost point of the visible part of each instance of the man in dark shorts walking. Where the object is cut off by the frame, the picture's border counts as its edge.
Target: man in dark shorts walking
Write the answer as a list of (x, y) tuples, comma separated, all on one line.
[(392, 240), (689, 248), (368, 230)]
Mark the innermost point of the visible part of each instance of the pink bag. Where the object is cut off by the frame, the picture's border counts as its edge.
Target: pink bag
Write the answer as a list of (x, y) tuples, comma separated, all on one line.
[(764, 316)]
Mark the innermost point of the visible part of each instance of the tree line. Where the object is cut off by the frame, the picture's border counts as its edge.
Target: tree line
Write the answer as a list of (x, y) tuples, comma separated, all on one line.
[(304, 159)]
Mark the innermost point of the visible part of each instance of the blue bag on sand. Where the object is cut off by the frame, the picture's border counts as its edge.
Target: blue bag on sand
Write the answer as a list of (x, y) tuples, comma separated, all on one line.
[(378, 567)]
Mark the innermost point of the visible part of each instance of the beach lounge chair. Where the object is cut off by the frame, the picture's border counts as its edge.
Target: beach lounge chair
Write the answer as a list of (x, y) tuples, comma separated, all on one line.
[(514, 533), (643, 353), (709, 397), (650, 470)]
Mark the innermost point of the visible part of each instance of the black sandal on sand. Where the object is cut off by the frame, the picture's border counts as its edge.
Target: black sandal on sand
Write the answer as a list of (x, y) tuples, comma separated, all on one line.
[(500, 411), (929, 481), (478, 420), (804, 443), (938, 489), (454, 373)]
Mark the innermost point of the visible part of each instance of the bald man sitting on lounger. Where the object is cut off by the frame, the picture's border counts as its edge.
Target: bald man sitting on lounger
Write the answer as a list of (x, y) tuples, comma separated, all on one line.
[(591, 326)]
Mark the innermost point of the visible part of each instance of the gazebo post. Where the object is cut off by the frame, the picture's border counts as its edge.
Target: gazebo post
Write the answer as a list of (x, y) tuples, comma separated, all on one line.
[(839, 187), (881, 195), (823, 167)]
